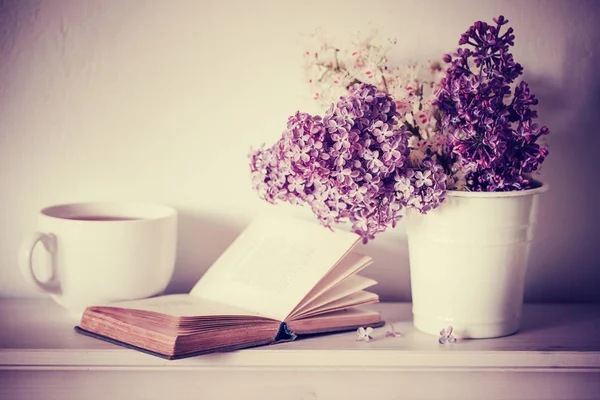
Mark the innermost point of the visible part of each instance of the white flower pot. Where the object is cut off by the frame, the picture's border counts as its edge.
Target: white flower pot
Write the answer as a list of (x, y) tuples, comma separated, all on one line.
[(468, 260)]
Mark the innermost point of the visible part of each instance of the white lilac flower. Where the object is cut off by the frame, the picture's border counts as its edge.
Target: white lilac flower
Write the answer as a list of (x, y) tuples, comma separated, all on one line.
[(364, 334), (423, 178), (446, 336), (391, 332)]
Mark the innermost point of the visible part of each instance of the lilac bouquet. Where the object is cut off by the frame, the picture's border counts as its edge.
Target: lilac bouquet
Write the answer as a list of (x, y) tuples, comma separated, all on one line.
[(349, 166), (388, 144), (491, 137)]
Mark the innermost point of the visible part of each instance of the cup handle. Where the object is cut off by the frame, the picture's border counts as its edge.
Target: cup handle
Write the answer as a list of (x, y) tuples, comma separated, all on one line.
[(49, 242)]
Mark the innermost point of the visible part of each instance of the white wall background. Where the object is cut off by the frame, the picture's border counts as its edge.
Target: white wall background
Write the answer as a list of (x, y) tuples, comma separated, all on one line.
[(161, 100)]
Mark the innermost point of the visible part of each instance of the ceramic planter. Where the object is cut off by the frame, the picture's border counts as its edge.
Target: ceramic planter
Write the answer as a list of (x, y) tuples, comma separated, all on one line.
[(468, 260)]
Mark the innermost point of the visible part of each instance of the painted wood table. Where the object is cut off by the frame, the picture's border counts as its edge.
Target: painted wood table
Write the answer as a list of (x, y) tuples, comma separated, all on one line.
[(556, 355)]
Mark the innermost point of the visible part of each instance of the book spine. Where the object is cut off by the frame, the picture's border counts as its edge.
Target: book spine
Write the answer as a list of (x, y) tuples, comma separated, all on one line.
[(284, 334)]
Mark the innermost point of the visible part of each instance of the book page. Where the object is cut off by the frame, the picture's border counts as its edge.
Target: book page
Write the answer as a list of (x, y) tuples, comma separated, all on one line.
[(182, 305), (348, 286), (351, 300), (350, 265), (336, 320), (273, 264)]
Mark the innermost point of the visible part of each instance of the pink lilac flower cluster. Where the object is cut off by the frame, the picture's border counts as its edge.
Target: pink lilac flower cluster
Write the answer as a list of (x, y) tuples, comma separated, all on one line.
[(494, 139), (349, 166)]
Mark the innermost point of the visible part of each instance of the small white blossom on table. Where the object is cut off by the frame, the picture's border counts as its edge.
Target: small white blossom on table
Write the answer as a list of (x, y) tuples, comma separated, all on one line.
[(392, 332), (446, 336), (364, 334)]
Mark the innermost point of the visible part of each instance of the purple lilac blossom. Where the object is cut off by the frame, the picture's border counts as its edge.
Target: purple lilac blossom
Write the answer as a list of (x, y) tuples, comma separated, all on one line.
[(349, 166), (493, 139), (428, 186)]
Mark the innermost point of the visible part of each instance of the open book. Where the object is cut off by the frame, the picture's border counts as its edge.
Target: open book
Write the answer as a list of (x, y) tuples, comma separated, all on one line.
[(282, 277)]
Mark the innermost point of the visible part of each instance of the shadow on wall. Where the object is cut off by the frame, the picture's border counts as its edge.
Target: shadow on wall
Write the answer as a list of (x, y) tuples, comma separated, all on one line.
[(564, 257), (202, 238), (389, 252)]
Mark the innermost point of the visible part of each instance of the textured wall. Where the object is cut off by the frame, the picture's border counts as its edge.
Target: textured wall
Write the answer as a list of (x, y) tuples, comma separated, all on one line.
[(160, 101)]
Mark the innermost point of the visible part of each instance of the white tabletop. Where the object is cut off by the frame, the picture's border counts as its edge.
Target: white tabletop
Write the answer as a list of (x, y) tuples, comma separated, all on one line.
[(36, 333)]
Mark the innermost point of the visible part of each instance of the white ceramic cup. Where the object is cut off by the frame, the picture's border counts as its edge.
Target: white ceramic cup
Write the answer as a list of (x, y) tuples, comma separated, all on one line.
[(103, 252)]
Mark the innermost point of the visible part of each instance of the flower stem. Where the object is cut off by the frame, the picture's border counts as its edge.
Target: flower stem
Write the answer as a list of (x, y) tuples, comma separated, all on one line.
[(384, 81)]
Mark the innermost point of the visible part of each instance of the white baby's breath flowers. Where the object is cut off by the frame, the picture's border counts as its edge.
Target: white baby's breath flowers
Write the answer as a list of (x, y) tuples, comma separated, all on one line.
[(333, 70)]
